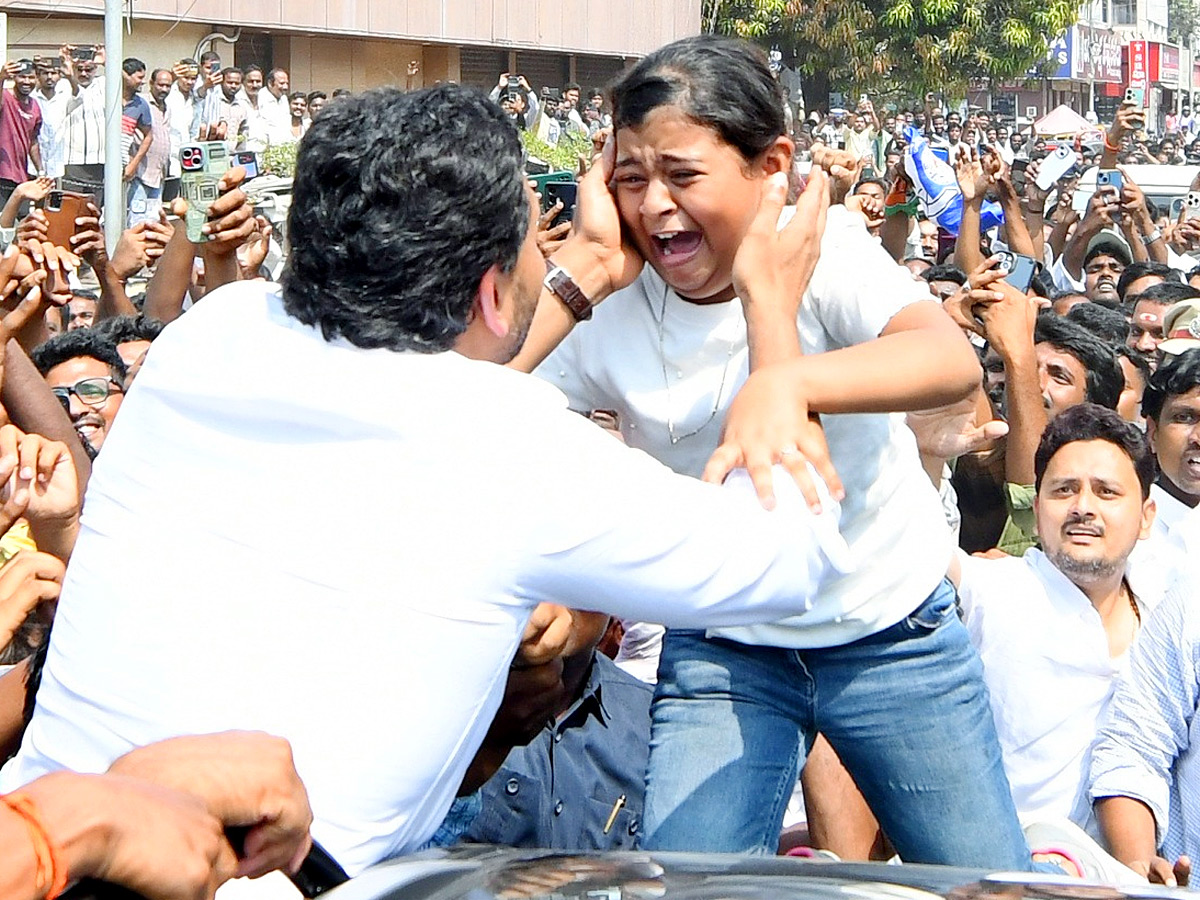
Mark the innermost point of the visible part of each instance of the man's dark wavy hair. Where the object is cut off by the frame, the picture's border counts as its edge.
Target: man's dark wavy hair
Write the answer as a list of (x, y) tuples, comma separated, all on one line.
[(1105, 380), (400, 203), (80, 342), (1176, 375), (1091, 422)]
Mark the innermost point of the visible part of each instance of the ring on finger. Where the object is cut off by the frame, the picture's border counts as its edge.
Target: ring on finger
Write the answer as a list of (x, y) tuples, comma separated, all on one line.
[(789, 451)]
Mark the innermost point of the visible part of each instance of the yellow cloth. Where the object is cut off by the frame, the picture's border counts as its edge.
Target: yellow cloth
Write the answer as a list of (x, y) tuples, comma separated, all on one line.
[(15, 540)]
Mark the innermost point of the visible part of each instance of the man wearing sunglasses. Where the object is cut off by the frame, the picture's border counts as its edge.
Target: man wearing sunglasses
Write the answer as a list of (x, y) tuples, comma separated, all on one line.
[(86, 373)]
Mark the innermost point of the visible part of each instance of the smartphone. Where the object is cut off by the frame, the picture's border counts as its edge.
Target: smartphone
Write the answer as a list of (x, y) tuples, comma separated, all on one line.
[(83, 54), (867, 172), (201, 167), (1017, 172), (543, 181), (568, 193), (248, 160), (62, 209), (1020, 271), (1136, 96), (1109, 178), (1054, 167), (1191, 203)]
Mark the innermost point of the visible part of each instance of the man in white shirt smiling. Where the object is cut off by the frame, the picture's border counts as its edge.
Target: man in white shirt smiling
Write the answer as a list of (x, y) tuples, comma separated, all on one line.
[(364, 394), (1171, 405), (1053, 627)]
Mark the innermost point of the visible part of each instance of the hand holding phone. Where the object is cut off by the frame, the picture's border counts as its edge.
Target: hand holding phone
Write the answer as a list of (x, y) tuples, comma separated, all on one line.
[(202, 165), (1191, 205)]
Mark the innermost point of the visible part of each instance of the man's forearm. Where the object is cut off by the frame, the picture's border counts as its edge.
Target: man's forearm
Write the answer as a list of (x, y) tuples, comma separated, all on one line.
[(113, 299), (967, 255), (1019, 238), (1128, 828), (894, 234), (34, 409), (143, 148), (1026, 413), (172, 276), (1076, 248)]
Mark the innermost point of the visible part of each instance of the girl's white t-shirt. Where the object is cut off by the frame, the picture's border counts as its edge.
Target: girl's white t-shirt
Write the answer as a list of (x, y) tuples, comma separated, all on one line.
[(660, 361)]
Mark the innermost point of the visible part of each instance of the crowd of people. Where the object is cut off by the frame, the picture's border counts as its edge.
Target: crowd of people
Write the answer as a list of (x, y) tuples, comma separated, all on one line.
[(761, 508), (52, 126)]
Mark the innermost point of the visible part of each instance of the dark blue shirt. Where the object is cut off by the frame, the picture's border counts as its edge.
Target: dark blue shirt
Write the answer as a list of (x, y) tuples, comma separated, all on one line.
[(580, 784)]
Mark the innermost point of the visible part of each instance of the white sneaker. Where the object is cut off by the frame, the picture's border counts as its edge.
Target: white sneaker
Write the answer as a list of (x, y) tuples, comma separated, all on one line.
[(1064, 837)]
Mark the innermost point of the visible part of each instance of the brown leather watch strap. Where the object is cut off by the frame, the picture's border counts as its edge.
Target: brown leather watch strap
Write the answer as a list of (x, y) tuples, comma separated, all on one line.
[(559, 282)]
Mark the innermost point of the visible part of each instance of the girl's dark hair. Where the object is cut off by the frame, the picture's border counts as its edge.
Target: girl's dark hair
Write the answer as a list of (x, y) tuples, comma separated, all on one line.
[(719, 82)]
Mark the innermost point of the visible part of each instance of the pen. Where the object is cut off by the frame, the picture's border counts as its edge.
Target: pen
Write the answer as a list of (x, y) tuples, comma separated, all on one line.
[(612, 816)]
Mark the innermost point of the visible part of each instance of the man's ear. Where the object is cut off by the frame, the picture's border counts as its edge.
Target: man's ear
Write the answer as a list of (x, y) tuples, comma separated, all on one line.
[(488, 303)]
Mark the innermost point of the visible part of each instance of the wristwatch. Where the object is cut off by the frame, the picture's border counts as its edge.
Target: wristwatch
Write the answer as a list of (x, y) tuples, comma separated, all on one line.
[(1152, 237), (560, 283)]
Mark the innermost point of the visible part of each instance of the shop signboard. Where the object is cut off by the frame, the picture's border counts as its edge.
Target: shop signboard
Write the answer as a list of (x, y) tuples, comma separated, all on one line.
[(1098, 55), (1139, 63)]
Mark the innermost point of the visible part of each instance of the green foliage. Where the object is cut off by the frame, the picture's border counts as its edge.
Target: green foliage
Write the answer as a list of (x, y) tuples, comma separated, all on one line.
[(565, 156), (1183, 21), (908, 46), (280, 159)]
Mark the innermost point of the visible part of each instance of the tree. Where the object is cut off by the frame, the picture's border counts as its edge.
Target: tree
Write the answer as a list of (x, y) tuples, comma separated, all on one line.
[(1183, 21), (909, 46)]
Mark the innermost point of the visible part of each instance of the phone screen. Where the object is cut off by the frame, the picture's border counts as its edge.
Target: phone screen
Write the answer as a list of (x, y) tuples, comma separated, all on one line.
[(568, 193)]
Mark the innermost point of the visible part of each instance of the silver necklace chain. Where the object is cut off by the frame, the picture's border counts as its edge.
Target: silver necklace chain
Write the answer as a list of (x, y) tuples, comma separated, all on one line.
[(662, 355)]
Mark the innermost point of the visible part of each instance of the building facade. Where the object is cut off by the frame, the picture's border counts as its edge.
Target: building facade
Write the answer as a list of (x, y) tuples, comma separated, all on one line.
[(358, 44)]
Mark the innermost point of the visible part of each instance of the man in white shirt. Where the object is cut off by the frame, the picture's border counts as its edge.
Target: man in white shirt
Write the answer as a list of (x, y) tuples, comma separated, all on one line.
[(251, 96), (275, 109), (84, 168), (1171, 406), (461, 493), (181, 117), (52, 95), (1053, 627)]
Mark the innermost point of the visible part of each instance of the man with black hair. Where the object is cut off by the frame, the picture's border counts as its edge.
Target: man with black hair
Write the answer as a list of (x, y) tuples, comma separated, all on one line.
[(1149, 309), (1074, 366), (570, 108), (80, 311), (1136, 368), (132, 336), (276, 108), (1171, 405), (84, 163), (20, 122), (232, 111), (1049, 691), (1062, 302), (1095, 256), (1140, 275), (1107, 324), (944, 280), (559, 512), (85, 372), (1102, 269)]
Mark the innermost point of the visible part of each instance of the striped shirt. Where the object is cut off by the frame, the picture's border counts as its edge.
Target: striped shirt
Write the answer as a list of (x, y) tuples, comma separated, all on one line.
[(1149, 745), (85, 126)]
